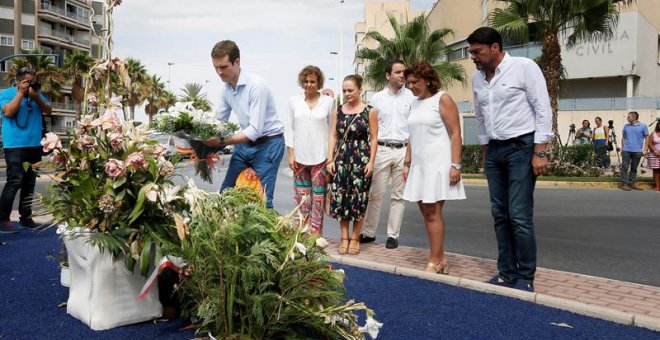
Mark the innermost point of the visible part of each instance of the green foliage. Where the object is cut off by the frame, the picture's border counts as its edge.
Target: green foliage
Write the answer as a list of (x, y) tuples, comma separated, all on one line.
[(575, 161), (247, 277), (412, 42), (471, 159)]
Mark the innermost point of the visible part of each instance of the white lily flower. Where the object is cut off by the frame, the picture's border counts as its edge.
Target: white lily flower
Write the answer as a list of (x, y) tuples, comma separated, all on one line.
[(301, 248), (169, 193), (372, 327), (322, 243)]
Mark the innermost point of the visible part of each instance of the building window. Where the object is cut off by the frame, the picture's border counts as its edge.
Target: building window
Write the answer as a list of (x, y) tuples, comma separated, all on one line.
[(458, 53), (6, 40), (27, 44)]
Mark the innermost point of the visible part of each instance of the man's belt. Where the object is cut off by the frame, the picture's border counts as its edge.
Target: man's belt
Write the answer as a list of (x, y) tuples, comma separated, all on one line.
[(264, 139), (394, 145)]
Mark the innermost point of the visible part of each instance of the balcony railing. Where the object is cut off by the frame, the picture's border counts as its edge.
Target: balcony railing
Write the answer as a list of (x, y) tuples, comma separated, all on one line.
[(531, 50), (62, 12), (61, 35), (588, 104), (65, 106)]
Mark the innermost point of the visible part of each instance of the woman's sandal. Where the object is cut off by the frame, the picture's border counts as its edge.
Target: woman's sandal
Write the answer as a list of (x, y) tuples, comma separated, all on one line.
[(343, 247), (437, 268), (354, 250)]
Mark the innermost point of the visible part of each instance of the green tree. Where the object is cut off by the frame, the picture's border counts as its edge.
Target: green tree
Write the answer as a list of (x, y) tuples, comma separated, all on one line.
[(139, 88), (192, 92), (76, 67), (154, 101), (412, 42), (49, 75), (543, 21)]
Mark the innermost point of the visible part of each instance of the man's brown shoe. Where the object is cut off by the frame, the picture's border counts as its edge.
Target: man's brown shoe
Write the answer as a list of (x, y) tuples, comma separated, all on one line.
[(625, 187)]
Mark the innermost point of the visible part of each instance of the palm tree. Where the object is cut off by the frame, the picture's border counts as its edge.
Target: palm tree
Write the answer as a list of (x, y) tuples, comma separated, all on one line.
[(49, 75), (544, 21), (139, 88), (192, 92), (76, 66), (412, 42), (154, 99)]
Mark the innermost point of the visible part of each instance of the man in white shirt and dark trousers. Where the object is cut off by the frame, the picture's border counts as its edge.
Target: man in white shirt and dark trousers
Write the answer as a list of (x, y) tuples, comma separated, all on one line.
[(393, 106), (514, 121)]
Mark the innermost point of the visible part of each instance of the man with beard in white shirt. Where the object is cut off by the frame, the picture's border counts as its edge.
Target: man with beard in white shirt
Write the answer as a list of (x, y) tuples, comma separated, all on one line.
[(393, 107)]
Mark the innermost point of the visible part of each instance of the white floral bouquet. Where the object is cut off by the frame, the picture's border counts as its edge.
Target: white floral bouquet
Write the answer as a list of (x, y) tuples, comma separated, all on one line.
[(195, 126)]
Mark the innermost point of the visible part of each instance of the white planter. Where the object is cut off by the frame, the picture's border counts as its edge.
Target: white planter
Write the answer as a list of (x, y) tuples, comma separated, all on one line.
[(65, 276), (102, 292)]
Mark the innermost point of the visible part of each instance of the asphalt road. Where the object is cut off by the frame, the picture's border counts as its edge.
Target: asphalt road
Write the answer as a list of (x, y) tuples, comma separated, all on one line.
[(600, 232)]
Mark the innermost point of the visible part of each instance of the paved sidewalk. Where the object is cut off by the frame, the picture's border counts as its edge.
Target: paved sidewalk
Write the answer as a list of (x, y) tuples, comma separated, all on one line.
[(618, 301)]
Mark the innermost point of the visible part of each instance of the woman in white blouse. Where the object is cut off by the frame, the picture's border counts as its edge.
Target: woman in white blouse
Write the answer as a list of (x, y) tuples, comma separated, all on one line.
[(306, 135)]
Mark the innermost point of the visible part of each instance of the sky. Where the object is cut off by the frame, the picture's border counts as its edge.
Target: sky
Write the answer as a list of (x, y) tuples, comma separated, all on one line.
[(277, 38)]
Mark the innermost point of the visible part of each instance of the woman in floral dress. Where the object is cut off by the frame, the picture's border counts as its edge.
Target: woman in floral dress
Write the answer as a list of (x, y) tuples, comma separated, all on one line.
[(351, 154)]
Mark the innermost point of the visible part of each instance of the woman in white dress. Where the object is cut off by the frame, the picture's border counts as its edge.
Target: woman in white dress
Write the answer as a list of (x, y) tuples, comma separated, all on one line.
[(432, 167)]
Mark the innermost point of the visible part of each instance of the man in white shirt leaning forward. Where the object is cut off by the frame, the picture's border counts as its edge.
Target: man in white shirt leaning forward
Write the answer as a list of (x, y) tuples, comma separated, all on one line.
[(393, 107)]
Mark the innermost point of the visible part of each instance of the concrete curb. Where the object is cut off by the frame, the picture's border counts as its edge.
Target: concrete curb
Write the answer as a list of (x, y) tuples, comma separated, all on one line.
[(572, 185), (599, 312)]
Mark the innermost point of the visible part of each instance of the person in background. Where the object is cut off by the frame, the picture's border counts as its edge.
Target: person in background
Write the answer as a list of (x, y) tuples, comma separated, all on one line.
[(22, 108), (632, 142), (432, 166), (306, 136), (393, 106), (653, 156), (584, 134), (260, 143), (600, 136), (514, 121), (352, 150)]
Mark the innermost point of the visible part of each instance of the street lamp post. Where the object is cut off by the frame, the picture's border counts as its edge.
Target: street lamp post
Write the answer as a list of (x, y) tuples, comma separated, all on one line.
[(338, 76), (341, 46), (207, 86), (169, 76)]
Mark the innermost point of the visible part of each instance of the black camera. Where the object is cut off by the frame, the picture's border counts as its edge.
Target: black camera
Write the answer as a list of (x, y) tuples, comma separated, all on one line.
[(572, 128), (610, 124), (35, 85)]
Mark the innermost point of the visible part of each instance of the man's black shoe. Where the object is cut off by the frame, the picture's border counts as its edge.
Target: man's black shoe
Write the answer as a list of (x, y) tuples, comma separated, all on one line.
[(29, 223), (523, 285), (366, 239), (498, 281), (391, 243)]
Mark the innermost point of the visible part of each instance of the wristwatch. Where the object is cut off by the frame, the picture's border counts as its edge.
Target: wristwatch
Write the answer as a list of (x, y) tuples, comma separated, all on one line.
[(456, 166), (541, 154)]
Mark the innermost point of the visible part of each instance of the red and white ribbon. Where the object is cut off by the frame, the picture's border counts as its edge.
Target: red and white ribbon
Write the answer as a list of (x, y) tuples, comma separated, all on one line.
[(171, 262)]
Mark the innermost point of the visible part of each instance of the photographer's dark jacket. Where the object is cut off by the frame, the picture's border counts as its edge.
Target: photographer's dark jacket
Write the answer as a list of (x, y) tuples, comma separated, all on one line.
[(24, 128)]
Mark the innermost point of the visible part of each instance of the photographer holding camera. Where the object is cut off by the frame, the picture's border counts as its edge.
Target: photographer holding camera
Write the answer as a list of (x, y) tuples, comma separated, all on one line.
[(22, 108)]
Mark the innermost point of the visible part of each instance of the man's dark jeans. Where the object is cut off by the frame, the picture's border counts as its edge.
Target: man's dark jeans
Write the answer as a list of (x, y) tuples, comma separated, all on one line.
[(511, 184), (629, 163), (18, 178)]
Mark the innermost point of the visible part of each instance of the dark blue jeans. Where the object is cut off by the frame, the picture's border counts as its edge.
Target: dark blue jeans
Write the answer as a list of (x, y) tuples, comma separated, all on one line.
[(19, 179), (264, 158), (511, 184), (629, 163)]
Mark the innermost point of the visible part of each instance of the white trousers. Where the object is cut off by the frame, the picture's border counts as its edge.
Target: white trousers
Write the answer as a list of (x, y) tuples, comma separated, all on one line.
[(388, 169)]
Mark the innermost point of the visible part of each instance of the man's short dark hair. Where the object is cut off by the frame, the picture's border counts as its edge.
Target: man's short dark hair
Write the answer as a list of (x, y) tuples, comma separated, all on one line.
[(634, 113), (226, 48), (22, 72), (391, 64), (485, 35)]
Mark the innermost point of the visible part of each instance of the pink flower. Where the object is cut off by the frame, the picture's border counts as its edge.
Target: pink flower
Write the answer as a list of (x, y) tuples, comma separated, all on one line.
[(51, 141), (108, 121), (159, 151), (136, 161), (116, 140), (58, 157), (87, 142), (115, 168), (92, 98)]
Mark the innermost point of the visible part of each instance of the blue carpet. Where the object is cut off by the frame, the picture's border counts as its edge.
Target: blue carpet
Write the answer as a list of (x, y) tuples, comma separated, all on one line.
[(410, 308)]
